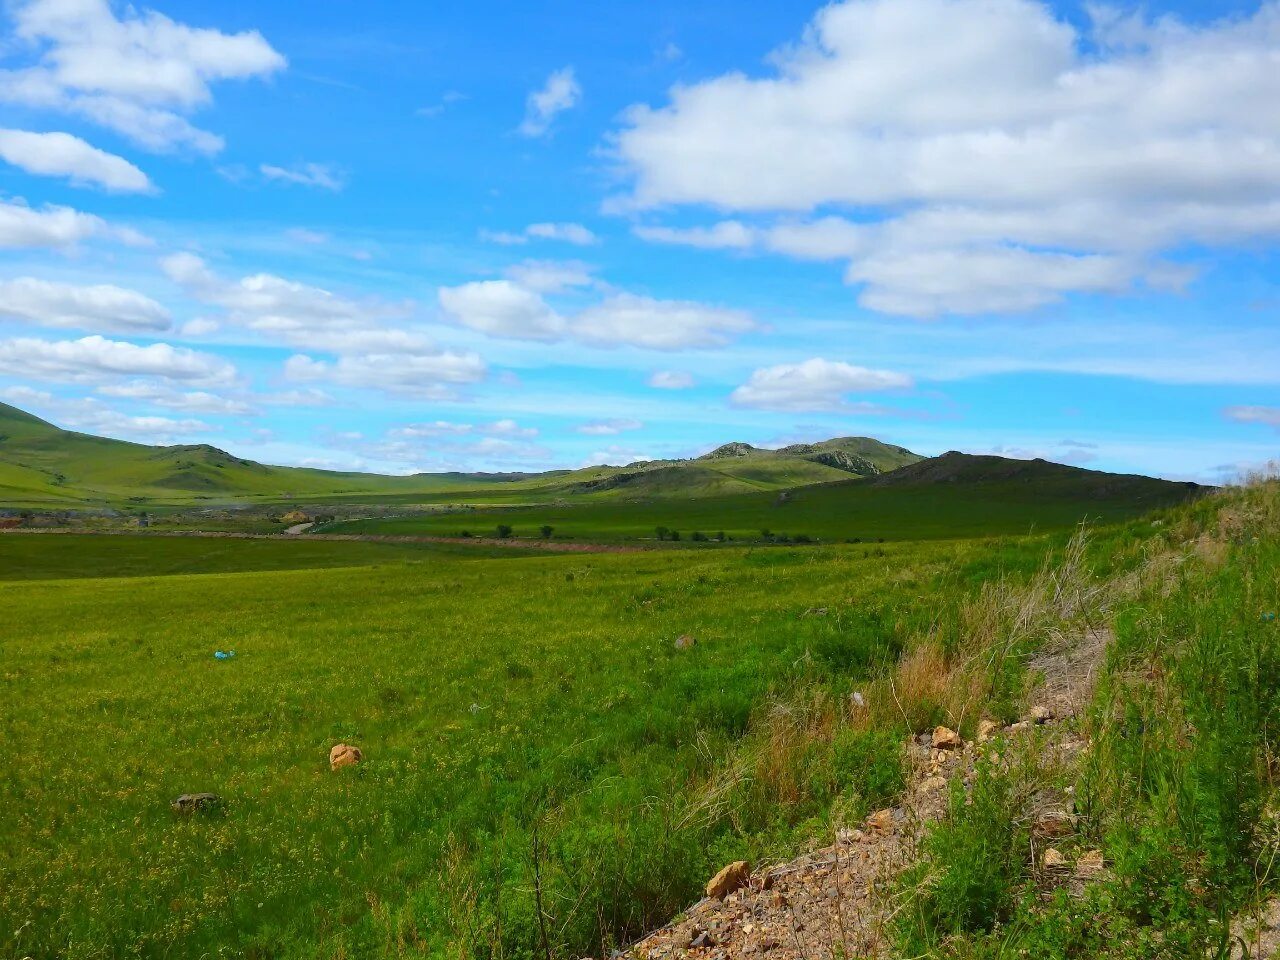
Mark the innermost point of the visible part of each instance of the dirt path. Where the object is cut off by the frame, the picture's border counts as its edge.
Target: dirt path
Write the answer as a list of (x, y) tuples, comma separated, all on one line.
[(838, 901), (548, 546)]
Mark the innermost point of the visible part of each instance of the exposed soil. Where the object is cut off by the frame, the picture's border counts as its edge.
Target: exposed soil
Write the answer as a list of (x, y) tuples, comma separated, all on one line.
[(838, 901)]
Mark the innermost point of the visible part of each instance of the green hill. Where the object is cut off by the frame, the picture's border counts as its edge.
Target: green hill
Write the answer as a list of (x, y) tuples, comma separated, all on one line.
[(42, 465)]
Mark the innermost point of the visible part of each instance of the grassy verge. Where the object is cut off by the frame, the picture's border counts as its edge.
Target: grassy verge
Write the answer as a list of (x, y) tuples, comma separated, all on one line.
[(1178, 783)]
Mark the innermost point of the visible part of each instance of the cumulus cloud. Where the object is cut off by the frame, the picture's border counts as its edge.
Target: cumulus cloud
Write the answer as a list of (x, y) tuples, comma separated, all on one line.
[(560, 93), (427, 375), (54, 227), (62, 155), (318, 175), (139, 73), (671, 380), (815, 384), (1270, 416), (1070, 160), (501, 308), (296, 313), (574, 233), (504, 309), (627, 319), (609, 428), (99, 307), (615, 456), (96, 358)]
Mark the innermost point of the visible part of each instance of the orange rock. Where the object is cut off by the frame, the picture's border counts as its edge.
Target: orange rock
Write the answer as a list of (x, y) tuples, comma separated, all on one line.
[(344, 755), (944, 738), (731, 878)]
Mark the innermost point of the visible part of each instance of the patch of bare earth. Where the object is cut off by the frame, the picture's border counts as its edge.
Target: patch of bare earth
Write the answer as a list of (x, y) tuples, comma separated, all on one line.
[(840, 900)]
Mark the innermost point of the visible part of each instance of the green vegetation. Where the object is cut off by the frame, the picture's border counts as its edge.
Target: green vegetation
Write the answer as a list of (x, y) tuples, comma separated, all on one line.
[(481, 723), (1004, 497), (1177, 788), (47, 467)]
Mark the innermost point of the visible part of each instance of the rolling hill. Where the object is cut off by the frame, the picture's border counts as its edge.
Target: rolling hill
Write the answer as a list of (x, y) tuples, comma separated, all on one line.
[(42, 465)]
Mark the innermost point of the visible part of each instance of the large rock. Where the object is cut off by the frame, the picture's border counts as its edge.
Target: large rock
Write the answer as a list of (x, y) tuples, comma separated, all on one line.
[(190, 803), (731, 878), (944, 738), (344, 755)]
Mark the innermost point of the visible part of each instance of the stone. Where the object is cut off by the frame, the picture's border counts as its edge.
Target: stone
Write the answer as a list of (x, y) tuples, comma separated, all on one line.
[(1054, 860), (731, 878), (1041, 714), (932, 784), (344, 755), (1089, 863), (881, 821), (685, 642), (857, 700), (987, 729), (944, 738), (190, 803), (703, 939)]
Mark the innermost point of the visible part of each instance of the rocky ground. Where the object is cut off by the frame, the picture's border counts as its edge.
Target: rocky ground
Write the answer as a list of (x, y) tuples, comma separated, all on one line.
[(839, 901)]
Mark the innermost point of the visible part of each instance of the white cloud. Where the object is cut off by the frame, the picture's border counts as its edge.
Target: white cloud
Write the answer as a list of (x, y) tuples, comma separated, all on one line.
[(671, 380), (551, 276), (501, 308), (815, 384), (199, 327), (448, 428), (425, 375), (318, 175), (1265, 415), (609, 428), (1069, 161), (574, 233), (298, 314), (96, 358), (22, 226), (627, 319), (560, 93), (62, 155), (726, 235), (309, 397), (164, 395), (137, 74), (89, 415), (100, 307)]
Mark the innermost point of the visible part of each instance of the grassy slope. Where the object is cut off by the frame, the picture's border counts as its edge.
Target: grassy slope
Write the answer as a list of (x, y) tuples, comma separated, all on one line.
[(581, 704), (42, 465), (981, 502), (58, 556)]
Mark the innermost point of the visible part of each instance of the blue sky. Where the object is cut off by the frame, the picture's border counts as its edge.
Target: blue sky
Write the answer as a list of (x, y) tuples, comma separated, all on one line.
[(514, 236)]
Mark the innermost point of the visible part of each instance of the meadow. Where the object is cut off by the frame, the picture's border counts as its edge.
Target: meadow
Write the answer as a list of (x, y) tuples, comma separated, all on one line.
[(851, 510), (546, 772), (497, 699)]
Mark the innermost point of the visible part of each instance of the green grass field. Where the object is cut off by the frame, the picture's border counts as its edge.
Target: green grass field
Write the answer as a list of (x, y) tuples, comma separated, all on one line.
[(827, 512), (490, 695)]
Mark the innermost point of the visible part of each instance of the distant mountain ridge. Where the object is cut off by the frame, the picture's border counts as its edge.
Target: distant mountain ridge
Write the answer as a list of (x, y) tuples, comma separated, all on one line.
[(43, 465)]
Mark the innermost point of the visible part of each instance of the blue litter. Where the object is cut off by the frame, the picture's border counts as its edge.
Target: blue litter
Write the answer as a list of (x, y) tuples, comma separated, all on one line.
[(1268, 616), (224, 654)]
